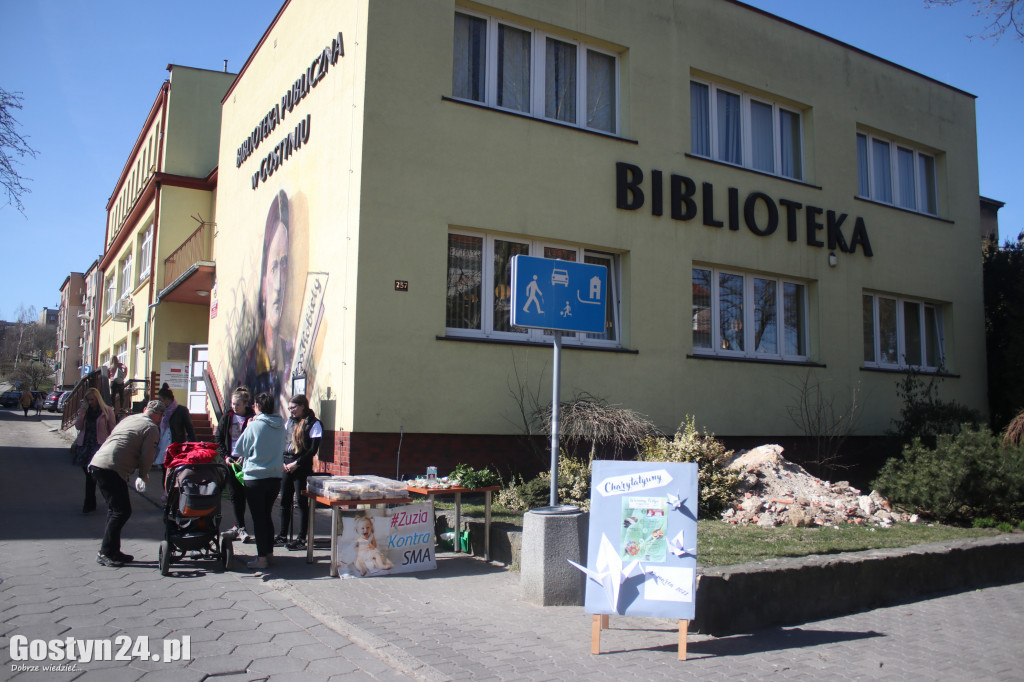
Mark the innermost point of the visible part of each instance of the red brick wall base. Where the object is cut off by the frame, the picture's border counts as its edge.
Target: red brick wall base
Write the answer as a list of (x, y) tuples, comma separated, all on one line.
[(345, 453)]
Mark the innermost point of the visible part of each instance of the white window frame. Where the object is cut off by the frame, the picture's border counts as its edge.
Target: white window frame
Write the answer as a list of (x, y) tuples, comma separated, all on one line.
[(922, 183), (121, 351), (901, 340), (749, 350), (146, 254), (747, 130), (127, 284), (536, 248), (111, 288), (538, 55)]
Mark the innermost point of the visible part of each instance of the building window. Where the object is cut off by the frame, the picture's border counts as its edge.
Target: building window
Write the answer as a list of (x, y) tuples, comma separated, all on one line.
[(512, 67), (479, 292), (748, 315), (146, 253), (892, 173), (745, 130), (111, 294), (902, 333), (126, 275), (121, 351)]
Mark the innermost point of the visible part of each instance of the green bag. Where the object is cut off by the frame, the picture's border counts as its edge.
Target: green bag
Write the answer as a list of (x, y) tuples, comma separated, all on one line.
[(236, 469), (446, 541)]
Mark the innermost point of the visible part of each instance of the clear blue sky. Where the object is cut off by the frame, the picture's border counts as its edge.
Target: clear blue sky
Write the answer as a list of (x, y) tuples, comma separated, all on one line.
[(90, 71)]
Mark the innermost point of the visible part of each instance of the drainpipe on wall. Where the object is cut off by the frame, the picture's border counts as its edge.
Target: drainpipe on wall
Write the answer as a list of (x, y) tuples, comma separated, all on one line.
[(144, 348)]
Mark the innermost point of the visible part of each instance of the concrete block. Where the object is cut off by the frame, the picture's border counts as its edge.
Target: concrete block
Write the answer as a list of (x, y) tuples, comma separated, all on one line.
[(549, 540)]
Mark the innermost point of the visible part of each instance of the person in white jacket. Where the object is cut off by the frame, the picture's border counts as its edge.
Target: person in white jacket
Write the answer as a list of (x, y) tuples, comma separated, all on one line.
[(261, 448)]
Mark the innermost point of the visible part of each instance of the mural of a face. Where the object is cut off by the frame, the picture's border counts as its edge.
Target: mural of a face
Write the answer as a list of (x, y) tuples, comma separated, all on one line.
[(275, 277)]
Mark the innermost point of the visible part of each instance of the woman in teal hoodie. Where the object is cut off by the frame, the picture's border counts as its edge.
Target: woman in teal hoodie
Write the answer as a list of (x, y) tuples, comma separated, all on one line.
[(261, 447)]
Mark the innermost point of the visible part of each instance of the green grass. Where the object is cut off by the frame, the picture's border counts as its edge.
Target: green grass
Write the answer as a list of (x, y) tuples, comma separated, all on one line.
[(722, 544)]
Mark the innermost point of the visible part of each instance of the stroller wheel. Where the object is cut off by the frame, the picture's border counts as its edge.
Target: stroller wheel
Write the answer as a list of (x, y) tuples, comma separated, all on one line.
[(227, 553), (165, 557)]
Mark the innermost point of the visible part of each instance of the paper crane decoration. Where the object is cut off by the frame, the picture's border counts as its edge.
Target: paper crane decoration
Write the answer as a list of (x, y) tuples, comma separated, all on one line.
[(675, 545), (609, 574)]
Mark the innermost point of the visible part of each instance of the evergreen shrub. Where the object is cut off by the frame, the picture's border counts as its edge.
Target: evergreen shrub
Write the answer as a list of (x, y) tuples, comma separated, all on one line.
[(966, 476)]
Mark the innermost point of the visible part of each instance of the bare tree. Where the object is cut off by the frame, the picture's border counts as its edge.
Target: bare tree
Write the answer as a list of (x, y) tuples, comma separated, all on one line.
[(13, 146), (528, 401), (1003, 16), (823, 419), (33, 375)]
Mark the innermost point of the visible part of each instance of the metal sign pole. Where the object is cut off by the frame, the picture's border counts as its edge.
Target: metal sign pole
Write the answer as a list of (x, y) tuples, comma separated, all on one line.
[(556, 385)]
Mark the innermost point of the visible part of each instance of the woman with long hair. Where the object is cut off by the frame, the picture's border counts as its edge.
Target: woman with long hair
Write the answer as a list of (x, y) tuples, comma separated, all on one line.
[(305, 432), (94, 422)]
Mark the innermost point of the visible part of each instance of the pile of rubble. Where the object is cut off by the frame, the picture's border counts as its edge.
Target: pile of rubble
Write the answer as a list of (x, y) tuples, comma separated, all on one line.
[(775, 491)]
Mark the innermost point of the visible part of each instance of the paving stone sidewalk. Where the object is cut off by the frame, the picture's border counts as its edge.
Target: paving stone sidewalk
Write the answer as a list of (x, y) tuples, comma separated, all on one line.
[(465, 621), (240, 626)]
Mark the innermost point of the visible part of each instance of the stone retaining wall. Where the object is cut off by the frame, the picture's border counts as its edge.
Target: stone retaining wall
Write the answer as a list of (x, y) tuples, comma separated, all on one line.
[(790, 591)]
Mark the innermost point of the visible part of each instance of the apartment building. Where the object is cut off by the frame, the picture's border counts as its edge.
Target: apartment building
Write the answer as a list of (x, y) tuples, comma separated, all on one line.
[(157, 262)]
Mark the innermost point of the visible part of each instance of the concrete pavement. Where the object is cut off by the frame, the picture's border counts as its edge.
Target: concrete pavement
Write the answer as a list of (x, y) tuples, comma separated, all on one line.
[(466, 620)]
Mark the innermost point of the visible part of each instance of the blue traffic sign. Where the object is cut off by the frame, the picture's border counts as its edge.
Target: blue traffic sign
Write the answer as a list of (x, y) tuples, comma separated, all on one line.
[(558, 295)]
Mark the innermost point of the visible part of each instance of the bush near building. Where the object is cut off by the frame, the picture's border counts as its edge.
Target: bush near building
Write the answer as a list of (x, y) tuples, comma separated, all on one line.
[(716, 483), (967, 475)]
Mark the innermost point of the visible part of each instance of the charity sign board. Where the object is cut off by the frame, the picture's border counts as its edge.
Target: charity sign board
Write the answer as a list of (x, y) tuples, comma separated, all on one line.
[(558, 295), (385, 541), (642, 546)]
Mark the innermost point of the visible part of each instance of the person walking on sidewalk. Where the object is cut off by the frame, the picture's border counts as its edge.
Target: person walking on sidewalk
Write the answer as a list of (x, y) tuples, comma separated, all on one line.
[(261, 447), (130, 446), (27, 400), (94, 422), (229, 428), (304, 434)]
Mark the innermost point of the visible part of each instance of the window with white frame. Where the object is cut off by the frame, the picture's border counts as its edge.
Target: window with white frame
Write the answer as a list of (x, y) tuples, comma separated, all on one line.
[(479, 292), (502, 65), (111, 288), (126, 275), (893, 173), (749, 315), (121, 351), (746, 130), (146, 253), (902, 333)]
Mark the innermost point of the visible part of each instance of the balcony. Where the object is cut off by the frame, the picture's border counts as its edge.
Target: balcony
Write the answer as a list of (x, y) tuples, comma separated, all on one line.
[(188, 272)]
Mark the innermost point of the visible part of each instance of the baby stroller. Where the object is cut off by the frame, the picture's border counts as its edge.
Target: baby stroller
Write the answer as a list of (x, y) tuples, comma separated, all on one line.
[(194, 482)]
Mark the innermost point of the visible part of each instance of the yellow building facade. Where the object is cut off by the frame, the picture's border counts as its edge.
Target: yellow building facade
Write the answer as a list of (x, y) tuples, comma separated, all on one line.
[(775, 209), (159, 233)]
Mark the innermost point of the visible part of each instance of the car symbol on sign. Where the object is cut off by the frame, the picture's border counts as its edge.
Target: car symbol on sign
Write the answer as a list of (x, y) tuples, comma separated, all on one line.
[(560, 277)]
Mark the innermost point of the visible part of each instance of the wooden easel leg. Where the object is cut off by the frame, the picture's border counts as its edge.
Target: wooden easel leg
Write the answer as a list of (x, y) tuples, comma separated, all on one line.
[(684, 625), (595, 634)]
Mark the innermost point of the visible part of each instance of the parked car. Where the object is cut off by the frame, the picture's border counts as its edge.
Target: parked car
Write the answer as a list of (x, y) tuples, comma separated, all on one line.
[(10, 399), (63, 399), (50, 401)]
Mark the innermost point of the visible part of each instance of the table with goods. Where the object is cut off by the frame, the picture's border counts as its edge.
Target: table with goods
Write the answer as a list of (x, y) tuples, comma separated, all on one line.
[(345, 494), (462, 480)]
